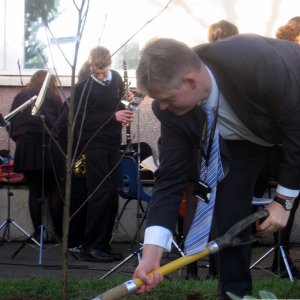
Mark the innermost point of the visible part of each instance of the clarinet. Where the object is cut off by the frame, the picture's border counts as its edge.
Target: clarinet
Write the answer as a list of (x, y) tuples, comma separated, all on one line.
[(129, 148)]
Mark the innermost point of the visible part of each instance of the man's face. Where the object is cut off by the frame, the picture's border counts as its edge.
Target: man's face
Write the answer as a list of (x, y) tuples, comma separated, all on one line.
[(192, 90), (100, 74)]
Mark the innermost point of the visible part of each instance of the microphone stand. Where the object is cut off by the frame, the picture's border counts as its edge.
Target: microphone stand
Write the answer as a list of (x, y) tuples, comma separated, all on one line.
[(139, 215), (129, 147)]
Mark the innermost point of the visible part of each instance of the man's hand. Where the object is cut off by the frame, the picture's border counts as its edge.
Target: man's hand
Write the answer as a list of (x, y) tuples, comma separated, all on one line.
[(150, 261), (277, 219)]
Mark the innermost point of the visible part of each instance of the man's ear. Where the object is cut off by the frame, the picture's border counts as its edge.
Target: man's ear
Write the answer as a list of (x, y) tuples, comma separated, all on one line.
[(190, 80)]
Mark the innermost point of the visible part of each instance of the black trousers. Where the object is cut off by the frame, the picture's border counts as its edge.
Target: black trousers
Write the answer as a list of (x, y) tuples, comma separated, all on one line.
[(77, 211), (102, 207), (233, 203)]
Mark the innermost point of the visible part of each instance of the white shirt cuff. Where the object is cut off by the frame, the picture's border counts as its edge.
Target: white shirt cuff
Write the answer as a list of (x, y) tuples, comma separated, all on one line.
[(287, 192), (159, 236)]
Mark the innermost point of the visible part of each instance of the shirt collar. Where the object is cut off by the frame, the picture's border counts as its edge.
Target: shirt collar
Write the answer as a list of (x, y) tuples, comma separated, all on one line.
[(105, 79), (108, 77), (212, 100)]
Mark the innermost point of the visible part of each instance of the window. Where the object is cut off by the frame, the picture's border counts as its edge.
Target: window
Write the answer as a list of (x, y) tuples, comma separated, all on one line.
[(26, 43)]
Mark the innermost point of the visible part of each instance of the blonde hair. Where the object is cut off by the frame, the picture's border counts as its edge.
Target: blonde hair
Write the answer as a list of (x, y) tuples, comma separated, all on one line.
[(289, 32)]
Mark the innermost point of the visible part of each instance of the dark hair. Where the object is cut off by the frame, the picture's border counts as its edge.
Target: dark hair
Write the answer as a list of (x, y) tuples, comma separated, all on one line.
[(221, 30), (37, 80), (84, 71)]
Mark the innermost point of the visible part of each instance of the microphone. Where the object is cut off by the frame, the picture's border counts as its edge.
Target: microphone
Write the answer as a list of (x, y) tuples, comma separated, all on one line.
[(40, 98)]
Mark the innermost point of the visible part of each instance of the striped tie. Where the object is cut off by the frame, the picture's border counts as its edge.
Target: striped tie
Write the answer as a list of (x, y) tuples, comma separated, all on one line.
[(197, 236)]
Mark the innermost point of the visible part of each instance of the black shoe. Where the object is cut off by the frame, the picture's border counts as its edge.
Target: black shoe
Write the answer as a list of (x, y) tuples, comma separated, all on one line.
[(190, 276), (75, 250), (114, 255), (95, 256)]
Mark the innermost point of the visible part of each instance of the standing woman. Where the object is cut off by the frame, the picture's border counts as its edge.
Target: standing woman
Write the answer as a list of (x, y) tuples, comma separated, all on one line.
[(31, 133)]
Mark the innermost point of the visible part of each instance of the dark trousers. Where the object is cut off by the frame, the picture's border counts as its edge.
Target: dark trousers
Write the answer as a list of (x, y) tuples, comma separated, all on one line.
[(77, 211), (233, 203), (102, 206)]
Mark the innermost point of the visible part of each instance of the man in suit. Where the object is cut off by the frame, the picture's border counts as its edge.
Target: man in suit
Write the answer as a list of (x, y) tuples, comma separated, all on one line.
[(254, 83)]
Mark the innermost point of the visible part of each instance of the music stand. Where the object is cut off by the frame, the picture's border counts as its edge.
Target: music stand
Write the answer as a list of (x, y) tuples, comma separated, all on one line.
[(4, 122)]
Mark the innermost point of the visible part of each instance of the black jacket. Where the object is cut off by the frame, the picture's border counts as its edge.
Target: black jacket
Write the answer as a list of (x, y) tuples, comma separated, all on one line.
[(260, 79), (94, 112)]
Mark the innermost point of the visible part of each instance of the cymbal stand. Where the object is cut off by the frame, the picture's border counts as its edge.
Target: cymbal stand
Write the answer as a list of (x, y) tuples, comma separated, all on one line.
[(8, 221)]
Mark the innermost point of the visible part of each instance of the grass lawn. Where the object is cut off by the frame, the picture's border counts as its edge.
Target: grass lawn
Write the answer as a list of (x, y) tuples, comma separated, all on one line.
[(50, 289)]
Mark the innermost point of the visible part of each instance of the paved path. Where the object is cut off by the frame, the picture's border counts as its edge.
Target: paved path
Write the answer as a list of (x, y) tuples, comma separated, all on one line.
[(26, 263)]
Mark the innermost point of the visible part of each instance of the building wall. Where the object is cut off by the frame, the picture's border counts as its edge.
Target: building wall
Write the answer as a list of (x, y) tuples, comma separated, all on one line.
[(7, 95)]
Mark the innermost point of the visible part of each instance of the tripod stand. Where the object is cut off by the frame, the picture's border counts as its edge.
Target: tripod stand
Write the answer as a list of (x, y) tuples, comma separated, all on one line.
[(8, 221), (278, 247), (281, 254)]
